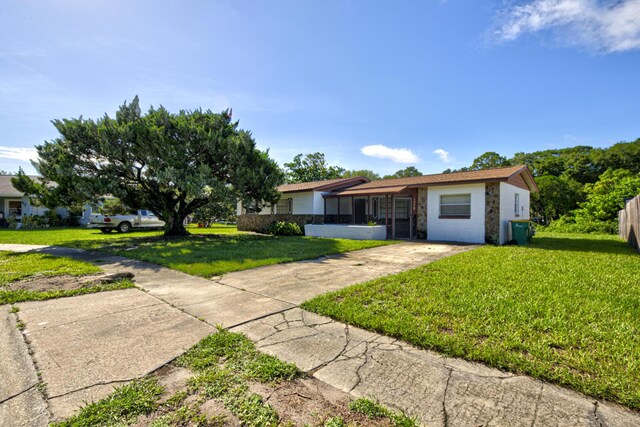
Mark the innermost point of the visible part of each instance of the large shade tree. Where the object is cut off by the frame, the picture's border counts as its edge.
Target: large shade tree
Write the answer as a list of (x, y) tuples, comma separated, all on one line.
[(169, 163)]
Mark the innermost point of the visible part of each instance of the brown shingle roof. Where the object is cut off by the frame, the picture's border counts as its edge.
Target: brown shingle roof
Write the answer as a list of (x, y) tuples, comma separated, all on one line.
[(326, 185), (486, 175)]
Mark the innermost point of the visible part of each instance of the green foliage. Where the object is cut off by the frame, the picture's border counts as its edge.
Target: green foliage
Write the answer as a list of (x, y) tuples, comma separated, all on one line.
[(33, 222), (113, 206), (311, 167), (404, 173), (568, 224), (607, 196), (283, 228), (169, 163), (216, 211), (122, 407), (558, 195), (371, 175), (564, 309), (489, 160)]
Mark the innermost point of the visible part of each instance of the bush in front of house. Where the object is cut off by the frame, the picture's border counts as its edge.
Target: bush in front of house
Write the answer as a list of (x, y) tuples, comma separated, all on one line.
[(283, 228)]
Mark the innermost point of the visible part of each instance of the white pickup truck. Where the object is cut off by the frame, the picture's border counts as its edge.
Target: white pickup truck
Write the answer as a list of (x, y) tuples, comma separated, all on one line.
[(123, 223)]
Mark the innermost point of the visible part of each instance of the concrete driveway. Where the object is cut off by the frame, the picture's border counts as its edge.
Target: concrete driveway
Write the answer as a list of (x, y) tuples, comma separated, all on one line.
[(85, 345)]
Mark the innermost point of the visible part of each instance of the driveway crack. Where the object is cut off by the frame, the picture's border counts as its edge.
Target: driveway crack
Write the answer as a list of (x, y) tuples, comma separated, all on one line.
[(445, 414), (13, 396)]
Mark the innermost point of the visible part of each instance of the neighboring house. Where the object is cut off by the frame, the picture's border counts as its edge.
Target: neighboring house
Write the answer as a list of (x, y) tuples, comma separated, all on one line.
[(301, 203), (473, 207), (14, 204)]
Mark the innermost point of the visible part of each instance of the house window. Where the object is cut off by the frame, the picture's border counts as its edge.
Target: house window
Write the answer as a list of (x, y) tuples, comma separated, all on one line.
[(382, 214), (15, 208), (455, 206), (516, 205), (284, 206)]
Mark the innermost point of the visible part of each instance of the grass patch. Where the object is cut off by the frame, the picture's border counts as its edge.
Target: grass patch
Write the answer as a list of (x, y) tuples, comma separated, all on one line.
[(224, 363), (88, 237), (211, 252), (233, 353), (19, 266), (8, 296), (565, 309), (122, 407), (374, 410)]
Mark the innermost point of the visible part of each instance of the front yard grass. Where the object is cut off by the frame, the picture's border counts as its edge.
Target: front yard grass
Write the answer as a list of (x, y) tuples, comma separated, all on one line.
[(207, 252), (23, 266), (213, 256), (565, 309)]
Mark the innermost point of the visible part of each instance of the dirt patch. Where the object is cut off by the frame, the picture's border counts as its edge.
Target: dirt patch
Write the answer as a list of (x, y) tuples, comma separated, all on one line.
[(66, 282), (308, 401), (299, 402)]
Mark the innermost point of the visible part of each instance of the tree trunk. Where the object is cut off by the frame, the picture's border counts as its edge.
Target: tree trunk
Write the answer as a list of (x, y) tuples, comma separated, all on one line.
[(175, 225)]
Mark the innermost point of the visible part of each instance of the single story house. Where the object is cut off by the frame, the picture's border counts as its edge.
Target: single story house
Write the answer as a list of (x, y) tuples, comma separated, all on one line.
[(302, 203), (14, 204), (473, 207)]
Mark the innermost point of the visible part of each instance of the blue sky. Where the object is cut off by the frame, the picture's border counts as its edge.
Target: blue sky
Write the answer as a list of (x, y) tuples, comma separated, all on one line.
[(372, 84)]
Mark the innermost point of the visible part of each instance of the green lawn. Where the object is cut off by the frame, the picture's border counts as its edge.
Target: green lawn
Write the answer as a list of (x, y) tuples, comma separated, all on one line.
[(207, 252), (91, 238), (566, 309), (216, 255), (20, 266), (17, 266)]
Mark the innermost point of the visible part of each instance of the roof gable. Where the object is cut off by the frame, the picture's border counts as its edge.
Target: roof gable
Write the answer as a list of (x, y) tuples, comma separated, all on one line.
[(326, 185)]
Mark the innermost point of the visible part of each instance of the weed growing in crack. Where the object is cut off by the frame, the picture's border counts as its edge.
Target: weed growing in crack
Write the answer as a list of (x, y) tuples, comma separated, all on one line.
[(335, 422), (375, 410), (224, 362), (123, 406)]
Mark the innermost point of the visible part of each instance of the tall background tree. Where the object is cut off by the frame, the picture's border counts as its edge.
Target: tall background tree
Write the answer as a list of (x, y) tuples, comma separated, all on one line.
[(311, 167), (582, 186), (371, 175), (404, 173), (169, 163)]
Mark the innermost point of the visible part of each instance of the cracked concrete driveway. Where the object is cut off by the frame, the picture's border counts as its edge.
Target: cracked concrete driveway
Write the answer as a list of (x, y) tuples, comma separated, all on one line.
[(73, 340)]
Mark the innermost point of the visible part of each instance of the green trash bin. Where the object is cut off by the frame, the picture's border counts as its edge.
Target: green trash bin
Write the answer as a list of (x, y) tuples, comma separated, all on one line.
[(521, 231)]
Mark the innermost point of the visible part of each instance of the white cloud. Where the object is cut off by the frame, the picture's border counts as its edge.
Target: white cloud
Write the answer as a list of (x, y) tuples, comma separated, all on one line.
[(444, 155), (398, 155), (608, 26), (18, 153)]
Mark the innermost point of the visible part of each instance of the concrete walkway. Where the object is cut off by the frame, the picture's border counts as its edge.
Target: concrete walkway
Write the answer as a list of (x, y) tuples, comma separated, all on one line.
[(263, 304)]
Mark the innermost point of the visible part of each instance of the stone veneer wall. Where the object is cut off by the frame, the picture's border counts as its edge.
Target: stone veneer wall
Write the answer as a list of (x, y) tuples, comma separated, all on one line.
[(260, 223), (422, 213), (492, 212)]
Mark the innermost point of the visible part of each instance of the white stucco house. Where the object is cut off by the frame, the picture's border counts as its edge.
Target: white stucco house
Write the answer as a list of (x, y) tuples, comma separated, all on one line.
[(473, 207), (14, 204)]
